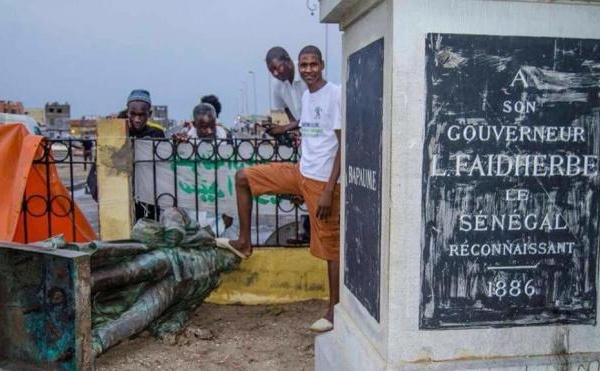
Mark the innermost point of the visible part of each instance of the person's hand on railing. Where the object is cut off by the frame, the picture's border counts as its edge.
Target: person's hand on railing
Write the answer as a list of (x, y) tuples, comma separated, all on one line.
[(180, 137), (274, 129)]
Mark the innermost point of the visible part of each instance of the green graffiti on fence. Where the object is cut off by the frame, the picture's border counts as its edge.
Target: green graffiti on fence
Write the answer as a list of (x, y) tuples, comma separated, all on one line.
[(208, 189)]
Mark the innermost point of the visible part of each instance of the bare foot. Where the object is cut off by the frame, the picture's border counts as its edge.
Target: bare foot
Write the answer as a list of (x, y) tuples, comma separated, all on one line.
[(243, 247)]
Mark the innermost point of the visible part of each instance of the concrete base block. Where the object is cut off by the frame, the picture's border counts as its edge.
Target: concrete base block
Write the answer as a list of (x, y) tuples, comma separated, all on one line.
[(409, 301), (345, 348)]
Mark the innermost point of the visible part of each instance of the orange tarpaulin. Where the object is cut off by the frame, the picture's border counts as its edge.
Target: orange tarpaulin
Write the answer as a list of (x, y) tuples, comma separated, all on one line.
[(49, 210)]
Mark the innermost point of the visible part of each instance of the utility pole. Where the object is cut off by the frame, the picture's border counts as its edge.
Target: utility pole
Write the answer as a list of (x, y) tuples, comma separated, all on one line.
[(245, 89), (312, 6), (254, 90)]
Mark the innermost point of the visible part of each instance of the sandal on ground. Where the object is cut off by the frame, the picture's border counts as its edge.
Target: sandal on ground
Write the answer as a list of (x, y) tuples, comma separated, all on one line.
[(322, 325)]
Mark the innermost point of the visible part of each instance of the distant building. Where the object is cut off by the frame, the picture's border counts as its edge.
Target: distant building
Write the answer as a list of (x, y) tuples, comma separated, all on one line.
[(57, 119), (15, 108), (160, 114), (37, 114), (83, 127), (57, 114)]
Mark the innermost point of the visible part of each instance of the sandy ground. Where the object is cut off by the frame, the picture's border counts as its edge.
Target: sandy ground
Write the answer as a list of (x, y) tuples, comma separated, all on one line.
[(219, 337), (227, 337)]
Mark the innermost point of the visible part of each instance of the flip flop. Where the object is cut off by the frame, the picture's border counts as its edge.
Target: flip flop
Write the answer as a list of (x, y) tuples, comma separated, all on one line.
[(322, 325), (223, 243)]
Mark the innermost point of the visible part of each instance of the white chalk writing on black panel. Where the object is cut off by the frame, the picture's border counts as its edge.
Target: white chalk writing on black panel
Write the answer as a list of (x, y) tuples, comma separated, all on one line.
[(510, 206)]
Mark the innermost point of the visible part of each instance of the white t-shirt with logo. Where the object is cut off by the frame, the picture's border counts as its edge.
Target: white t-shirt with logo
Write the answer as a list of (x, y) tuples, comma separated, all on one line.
[(289, 95), (321, 116)]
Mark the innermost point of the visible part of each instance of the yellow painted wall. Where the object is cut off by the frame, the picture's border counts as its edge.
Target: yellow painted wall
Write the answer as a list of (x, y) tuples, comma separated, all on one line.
[(114, 161), (269, 276), (38, 114), (274, 275)]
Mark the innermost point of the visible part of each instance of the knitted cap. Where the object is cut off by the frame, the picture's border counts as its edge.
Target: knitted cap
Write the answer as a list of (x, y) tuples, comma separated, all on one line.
[(140, 95)]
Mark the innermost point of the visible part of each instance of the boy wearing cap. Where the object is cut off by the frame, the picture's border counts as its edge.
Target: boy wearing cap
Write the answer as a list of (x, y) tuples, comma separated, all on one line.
[(315, 177), (139, 109)]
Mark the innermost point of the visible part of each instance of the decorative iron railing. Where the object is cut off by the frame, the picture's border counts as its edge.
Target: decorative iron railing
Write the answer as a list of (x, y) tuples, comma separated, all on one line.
[(199, 175), (196, 175), (59, 161)]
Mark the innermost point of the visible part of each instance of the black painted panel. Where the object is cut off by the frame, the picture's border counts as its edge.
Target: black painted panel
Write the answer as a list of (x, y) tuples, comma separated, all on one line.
[(510, 183), (364, 109)]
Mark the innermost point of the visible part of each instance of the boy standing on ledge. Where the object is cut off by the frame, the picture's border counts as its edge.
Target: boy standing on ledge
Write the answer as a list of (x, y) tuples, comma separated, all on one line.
[(315, 178)]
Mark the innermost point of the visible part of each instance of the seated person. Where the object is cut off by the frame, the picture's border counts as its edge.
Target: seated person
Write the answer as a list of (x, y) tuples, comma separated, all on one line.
[(213, 100), (204, 125)]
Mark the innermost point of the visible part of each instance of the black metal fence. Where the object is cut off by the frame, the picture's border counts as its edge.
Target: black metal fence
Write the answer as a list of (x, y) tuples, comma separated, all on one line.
[(68, 161), (199, 175)]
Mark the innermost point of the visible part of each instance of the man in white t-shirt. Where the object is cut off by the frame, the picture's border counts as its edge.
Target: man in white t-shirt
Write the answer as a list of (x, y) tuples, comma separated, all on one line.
[(315, 178)]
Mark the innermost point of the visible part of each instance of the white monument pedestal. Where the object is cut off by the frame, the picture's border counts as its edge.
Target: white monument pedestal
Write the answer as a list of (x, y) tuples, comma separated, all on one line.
[(472, 196)]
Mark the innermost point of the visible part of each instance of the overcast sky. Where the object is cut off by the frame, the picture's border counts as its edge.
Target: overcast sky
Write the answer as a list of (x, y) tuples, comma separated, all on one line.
[(93, 53)]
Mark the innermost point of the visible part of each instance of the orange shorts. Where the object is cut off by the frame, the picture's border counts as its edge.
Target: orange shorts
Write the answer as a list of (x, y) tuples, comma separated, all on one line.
[(285, 178)]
